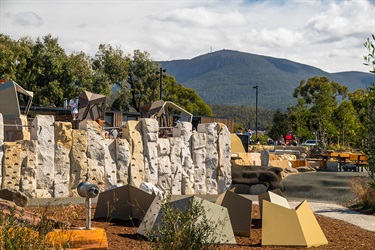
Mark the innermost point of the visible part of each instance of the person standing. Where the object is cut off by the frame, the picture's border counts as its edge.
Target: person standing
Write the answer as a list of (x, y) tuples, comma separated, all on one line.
[(73, 109), (239, 131)]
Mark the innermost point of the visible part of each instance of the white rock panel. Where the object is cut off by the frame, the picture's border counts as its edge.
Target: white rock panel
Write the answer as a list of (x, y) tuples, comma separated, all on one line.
[(63, 146), (28, 167), (110, 162), (43, 132), (123, 161), (176, 166), (95, 154), (212, 156), (198, 144), (133, 133), (165, 174), (78, 160), (150, 131), (185, 132), (224, 179)]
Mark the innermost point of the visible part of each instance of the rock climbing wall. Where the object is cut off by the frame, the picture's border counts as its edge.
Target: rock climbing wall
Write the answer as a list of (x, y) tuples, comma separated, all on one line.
[(224, 172), (78, 160), (176, 166), (184, 130), (95, 154), (58, 158), (150, 131), (164, 170), (12, 165), (43, 131), (133, 133), (29, 167), (198, 146), (110, 162), (63, 146), (212, 156), (123, 161)]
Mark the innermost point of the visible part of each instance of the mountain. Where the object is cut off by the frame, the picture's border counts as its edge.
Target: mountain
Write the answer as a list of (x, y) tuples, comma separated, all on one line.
[(228, 77)]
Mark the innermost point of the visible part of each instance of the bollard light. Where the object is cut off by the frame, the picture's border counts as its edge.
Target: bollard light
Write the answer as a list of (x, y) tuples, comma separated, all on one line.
[(88, 191)]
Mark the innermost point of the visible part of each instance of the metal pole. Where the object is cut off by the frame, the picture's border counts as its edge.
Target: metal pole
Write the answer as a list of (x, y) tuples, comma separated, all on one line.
[(88, 215), (161, 82), (256, 111)]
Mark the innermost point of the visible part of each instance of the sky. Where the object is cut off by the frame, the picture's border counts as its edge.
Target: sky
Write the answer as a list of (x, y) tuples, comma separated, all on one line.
[(325, 34)]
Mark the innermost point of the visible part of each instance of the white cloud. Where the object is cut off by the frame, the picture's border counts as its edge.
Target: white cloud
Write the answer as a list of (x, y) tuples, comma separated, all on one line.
[(324, 34), (26, 19)]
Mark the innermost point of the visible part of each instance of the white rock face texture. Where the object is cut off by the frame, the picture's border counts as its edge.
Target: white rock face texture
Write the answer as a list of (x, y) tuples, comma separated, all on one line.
[(29, 167), (150, 131), (224, 178), (63, 146), (43, 132), (164, 171), (110, 162), (12, 165), (198, 145), (212, 156), (123, 161), (1, 146), (176, 166), (58, 158), (95, 154), (133, 133), (185, 131), (78, 160)]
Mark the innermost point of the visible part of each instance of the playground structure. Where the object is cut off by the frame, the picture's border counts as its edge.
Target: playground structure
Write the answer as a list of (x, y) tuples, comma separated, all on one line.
[(15, 122)]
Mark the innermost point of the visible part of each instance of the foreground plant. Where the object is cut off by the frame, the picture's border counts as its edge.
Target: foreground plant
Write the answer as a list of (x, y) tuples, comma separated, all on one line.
[(185, 229), (364, 192), (19, 234)]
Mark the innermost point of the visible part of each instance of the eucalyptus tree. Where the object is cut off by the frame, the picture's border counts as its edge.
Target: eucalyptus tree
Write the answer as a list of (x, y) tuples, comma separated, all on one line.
[(184, 97), (300, 118), (321, 94), (347, 123), (280, 125), (143, 79), (13, 58), (110, 67)]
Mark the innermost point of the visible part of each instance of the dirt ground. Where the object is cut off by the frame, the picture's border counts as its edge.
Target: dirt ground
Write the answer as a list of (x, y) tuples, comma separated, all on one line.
[(122, 234)]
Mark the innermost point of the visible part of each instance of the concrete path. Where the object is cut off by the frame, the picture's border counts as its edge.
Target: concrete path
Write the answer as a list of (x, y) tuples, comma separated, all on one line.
[(325, 191)]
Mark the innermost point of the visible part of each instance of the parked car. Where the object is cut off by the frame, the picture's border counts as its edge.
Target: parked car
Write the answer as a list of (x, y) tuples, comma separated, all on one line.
[(312, 142)]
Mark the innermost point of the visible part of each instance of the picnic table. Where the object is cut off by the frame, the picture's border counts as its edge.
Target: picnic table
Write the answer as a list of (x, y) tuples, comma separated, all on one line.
[(346, 161)]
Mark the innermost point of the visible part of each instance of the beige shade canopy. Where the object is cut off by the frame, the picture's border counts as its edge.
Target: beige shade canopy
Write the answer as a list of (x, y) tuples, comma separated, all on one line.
[(88, 106), (159, 110), (9, 104)]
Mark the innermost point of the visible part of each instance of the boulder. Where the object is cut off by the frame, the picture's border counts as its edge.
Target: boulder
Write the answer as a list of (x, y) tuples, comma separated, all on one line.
[(259, 179), (13, 195)]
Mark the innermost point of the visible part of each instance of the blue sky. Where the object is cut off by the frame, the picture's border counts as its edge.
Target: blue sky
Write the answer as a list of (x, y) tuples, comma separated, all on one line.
[(325, 34)]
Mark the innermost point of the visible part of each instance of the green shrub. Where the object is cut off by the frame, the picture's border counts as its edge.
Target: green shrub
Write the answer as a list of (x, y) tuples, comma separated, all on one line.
[(20, 234), (187, 229)]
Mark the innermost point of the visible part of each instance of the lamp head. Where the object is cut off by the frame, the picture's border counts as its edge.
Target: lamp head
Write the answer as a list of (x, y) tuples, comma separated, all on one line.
[(88, 190)]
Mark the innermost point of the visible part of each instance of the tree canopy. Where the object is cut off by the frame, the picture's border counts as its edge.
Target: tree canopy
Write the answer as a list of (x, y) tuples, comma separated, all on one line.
[(43, 67)]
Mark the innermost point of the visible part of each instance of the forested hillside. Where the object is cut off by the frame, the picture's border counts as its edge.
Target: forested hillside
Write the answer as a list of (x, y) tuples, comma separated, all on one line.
[(244, 116), (228, 77)]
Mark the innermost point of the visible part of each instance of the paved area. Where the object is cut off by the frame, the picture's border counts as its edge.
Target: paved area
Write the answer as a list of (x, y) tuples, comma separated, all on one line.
[(325, 191)]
